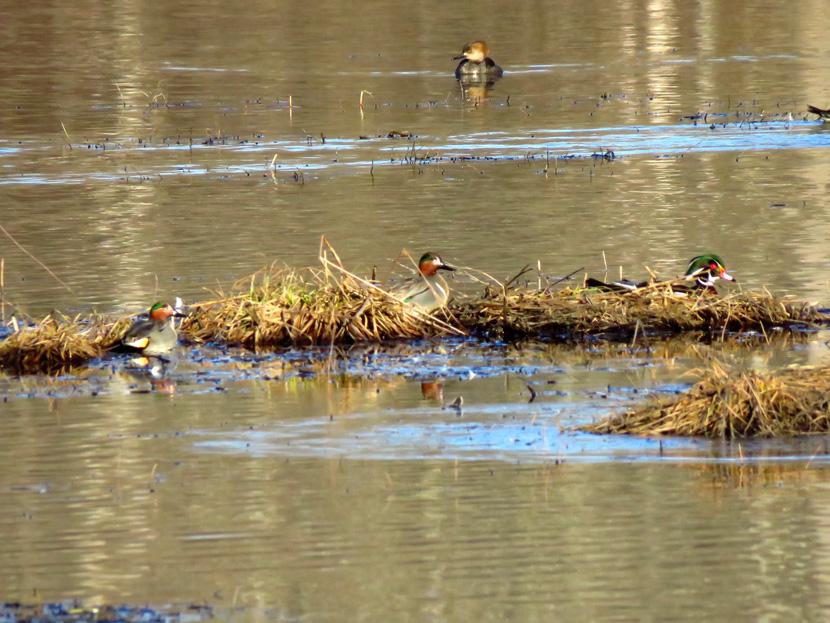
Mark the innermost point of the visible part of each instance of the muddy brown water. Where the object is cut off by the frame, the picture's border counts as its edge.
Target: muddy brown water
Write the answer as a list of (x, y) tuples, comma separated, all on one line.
[(149, 150)]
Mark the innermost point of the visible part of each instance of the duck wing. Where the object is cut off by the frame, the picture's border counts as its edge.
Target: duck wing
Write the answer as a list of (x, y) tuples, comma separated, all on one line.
[(139, 334)]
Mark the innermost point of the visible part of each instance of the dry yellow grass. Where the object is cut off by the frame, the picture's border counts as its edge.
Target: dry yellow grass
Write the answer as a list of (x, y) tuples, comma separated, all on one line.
[(329, 305), (286, 307), (727, 404), (574, 313), (54, 344)]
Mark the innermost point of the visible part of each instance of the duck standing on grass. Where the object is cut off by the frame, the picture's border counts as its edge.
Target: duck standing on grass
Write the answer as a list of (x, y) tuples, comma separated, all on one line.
[(705, 269), (476, 64), (156, 334), (428, 290)]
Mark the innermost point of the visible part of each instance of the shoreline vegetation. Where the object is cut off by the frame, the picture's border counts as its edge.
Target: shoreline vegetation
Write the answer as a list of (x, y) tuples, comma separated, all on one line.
[(284, 307)]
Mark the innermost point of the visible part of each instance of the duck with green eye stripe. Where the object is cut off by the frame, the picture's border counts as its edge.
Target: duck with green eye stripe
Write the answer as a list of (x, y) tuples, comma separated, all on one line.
[(428, 290), (154, 335), (704, 269)]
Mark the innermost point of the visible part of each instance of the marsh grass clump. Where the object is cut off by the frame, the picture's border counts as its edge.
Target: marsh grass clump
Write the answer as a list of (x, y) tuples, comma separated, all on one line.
[(278, 307), (285, 307), (572, 313), (55, 344), (728, 405)]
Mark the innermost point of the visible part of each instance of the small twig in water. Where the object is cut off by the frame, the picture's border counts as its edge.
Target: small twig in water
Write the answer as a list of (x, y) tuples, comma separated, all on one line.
[(565, 278), (42, 265), (456, 405), (68, 139), (525, 269), (121, 95), (636, 331), (273, 168), (362, 93)]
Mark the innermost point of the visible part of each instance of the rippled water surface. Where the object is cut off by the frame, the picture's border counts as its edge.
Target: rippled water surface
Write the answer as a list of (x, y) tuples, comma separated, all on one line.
[(149, 150)]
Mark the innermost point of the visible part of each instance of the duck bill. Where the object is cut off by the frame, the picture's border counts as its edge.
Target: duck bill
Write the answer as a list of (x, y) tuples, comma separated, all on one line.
[(727, 277), (447, 267), (459, 57)]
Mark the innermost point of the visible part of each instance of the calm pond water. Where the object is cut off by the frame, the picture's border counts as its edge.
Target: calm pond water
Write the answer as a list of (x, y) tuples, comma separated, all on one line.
[(149, 150)]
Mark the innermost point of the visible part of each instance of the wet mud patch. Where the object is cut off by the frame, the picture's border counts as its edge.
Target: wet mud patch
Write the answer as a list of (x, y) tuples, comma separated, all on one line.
[(78, 612), (218, 368), (215, 368)]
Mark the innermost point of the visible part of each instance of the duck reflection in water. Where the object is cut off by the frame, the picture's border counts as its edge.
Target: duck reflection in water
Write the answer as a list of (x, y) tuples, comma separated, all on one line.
[(155, 369), (432, 390)]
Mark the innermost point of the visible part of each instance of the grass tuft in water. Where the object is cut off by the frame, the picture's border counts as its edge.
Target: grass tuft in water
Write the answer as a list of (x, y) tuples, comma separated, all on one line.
[(329, 305), (727, 404), (56, 344), (287, 307)]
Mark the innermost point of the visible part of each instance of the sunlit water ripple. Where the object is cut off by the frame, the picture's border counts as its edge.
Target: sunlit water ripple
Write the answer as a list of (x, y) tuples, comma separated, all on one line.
[(177, 156)]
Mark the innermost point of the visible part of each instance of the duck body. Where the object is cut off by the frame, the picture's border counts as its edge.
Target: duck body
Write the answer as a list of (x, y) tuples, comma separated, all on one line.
[(154, 335), (428, 290), (478, 72), (703, 270), (476, 64)]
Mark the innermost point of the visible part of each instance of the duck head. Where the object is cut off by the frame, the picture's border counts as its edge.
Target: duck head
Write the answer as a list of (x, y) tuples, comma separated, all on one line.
[(162, 311), (476, 52), (430, 264), (708, 269)]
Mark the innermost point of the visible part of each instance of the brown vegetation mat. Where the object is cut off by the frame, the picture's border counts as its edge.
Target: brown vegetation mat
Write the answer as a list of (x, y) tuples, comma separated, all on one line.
[(54, 344), (728, 404), (572, 313), (285, 307), (330, 305)]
